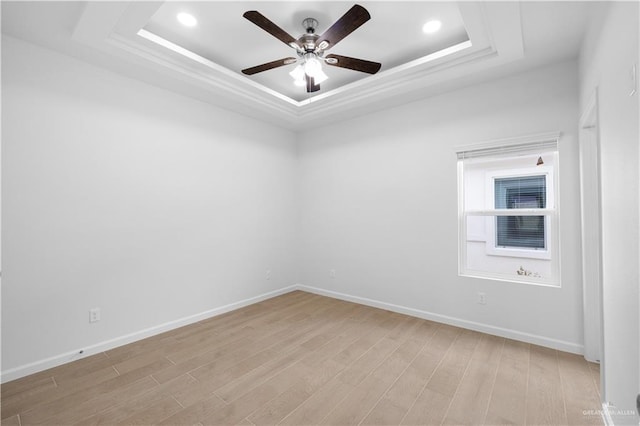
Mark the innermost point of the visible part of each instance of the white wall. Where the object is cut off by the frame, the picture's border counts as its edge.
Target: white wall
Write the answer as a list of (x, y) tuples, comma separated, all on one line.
[(378, 203), (119, 195), (155, 207), (606, 60)]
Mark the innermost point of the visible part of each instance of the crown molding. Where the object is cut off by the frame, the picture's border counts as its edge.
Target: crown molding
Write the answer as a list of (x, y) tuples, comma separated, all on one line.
[(118, 29)]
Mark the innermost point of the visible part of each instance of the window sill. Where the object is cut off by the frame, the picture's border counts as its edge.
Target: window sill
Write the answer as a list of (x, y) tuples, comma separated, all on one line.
[(514, 252), (541, 282)]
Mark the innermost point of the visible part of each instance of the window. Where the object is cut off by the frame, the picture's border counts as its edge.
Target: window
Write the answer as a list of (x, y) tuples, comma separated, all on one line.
[(527, 189), (507, 210), (522, 192)]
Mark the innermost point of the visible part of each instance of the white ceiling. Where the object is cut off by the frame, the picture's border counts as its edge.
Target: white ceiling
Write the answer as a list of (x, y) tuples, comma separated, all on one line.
[(392, 37), (478, 41)]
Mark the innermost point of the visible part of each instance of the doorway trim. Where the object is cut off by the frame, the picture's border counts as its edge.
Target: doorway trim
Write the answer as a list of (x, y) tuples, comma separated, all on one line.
[(591, 224)]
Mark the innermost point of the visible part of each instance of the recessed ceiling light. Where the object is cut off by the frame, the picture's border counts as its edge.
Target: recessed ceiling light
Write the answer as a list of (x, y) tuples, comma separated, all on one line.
[(431, 26), (187, 19)]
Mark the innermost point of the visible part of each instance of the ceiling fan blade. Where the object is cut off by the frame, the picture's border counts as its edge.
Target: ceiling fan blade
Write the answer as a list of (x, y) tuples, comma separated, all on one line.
[(344, 26), (311, 84), (264, 23), (268, 66), (353, 64)]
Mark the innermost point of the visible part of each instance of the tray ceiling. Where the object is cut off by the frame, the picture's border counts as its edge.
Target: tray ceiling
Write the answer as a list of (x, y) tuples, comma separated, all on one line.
[(145, 40), (393, 36)]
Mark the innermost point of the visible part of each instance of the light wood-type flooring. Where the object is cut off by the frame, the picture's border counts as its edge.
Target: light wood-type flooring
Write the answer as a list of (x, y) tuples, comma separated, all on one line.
[(304, 359)]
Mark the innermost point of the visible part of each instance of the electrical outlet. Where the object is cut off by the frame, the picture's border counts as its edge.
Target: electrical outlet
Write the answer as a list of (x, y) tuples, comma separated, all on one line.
[(482, 299), (94, 315), (332, 273), (268, 274)]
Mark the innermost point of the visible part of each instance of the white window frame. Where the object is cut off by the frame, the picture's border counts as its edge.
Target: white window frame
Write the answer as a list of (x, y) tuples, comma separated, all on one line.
[(491, 247), (507, 147)]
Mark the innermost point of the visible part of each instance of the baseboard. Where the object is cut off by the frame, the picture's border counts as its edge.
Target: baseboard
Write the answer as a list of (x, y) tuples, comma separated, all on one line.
[(54, 361), (458, 322), (34, 367)]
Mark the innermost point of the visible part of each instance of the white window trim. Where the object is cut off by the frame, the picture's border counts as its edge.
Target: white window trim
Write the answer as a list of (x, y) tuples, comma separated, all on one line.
[(554, 243), (505, 145), (490, 225)]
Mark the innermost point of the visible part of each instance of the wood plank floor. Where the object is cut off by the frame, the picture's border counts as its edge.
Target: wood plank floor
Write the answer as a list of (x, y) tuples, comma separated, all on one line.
[(302, 359)]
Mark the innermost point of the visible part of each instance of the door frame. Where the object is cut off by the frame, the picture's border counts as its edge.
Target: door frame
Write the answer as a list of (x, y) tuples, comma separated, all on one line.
[(591, 228)]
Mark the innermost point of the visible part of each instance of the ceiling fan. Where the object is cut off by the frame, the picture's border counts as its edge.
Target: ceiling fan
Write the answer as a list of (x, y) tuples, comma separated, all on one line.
[(310, 48)]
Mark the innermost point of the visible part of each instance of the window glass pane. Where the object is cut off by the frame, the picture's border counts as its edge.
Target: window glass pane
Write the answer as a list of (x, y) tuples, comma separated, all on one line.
[(525, 192), (520, 193), (520, 231)]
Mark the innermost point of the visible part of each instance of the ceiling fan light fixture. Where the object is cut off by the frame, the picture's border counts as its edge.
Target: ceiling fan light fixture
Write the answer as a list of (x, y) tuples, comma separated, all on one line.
[(320, 77), (187, 19), (297, 73), (311, 65), (298, 76), (313, 68)]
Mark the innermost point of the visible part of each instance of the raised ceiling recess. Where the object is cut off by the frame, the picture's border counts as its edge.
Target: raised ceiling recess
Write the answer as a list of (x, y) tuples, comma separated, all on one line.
[(392, 36), (203, 52)]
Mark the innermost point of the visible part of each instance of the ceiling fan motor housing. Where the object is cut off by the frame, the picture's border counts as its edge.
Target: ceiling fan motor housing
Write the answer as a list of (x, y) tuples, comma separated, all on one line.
[(308, 40)]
